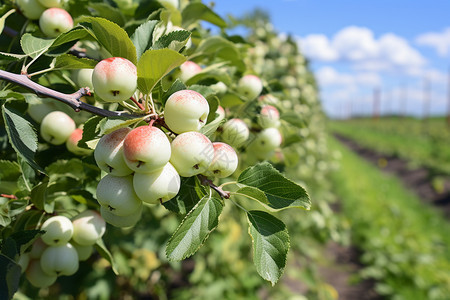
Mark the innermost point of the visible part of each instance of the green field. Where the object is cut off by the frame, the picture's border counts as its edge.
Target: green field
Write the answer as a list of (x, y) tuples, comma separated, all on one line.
[(424, 142)]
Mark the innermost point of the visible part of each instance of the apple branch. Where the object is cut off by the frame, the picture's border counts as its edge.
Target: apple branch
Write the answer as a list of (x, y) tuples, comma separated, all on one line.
[(73, 100), (208, 182)]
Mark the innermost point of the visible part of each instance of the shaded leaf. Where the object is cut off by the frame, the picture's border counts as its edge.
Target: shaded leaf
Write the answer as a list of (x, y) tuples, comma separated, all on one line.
[(68, 61)]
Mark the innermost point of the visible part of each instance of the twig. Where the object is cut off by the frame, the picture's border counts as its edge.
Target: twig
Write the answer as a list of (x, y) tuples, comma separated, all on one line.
[(141, 107), (8, 196), (205, 181), (73, 100)]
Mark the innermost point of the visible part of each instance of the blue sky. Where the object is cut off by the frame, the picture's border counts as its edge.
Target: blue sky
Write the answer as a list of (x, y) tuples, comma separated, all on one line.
[(355, 46)]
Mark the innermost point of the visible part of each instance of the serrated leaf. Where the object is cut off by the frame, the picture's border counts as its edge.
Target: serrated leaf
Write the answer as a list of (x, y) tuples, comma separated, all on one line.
[(143, 36), (3, 19), (70, 62), (270, 244), (90, 131), (191, 191), (194, 229), (72, 168), (104, 252), (11, 56), (174, 40), (108, 12), (22, 135), (10, 273), (199, 11), (34, 46), (111, 36), (154, 65), (66, 40), (39, 195), (9, 170), (281, 192)]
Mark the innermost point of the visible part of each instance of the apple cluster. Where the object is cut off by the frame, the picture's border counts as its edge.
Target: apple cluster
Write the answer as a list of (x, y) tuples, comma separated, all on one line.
[(64, 243), (144, 164), (53, 20)]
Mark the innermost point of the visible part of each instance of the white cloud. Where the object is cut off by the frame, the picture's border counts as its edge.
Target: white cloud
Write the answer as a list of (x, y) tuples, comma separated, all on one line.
[(438, 40), (359, 46), (327, 76), (317, 47)]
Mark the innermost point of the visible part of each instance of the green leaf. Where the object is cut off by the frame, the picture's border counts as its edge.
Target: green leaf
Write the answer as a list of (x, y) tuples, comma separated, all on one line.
[(270, 244), (10, 273), (194, 229), (106, 11), (230, 99), (3, 19), (72, 168), (22, 135), (254, 194), (11, 56), (220, 47), (143, 37), (217, 74), (9, 170), (199, 11), (174, 40), (90, 131), (104, 252), (107, 125), (293, 119), (24, 239), (68, 62), (154, 65), (281, 192), (66, 40), (39, 195), (111, 36), (211, 128), (34, 46), (191, 191)]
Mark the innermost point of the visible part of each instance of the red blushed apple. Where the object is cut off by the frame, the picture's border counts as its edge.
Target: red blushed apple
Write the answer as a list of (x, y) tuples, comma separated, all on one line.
[(188, 70), (225, 161), (146, 149), (55, 21), (250, 86), (72, 143), (269, 117), (115, 79)]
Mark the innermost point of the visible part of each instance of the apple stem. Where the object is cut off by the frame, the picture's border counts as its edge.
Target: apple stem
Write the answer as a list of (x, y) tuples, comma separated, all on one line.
[(150, 124), (8, 196), (162, 123), (73, 100), (208, 182), (141, 107)]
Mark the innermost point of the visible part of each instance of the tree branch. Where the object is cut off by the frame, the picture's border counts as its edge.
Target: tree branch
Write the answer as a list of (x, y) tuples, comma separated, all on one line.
[(73, 100), (205, 181)]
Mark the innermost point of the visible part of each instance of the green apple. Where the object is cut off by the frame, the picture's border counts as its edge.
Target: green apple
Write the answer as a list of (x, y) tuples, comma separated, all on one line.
[(83, 77), (60, 260), (235, 132), (146, 149), (192, 153), (158, 186), (250, 86), (267, 140), (52, 3), (115, 79), (83, 251), (188, 70), (37, 277), (88, 228), (31, 9), (117, 194), (225, 161), (72, 143), (108, 153), (121, 221), (37, 248), (24, 260), (56, 127), (170, 4), (221, 113), (269, 117), (54, 21), (186, 110), (58, 231)]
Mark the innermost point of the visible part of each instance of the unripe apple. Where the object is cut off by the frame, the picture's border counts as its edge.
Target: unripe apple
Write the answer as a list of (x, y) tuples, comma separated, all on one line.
[(192, 153), (37, 277), (24, 260), (117, 194), (121, 221), (31, 9), (225, 161), (37, 248), (60, 260), (235, 132), (83, 251), (269, 117), (83, 77), (221, 113), (115, 79), (158, 186), (170, 4), (146, 149), (40, 108), (188, 70), (72, 143), (55, 21), (186, 110), (58, 231), (108, 153), (250, 86), (52, 3), (56, 127), (267, 140), (88, 228), (219, 87)]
